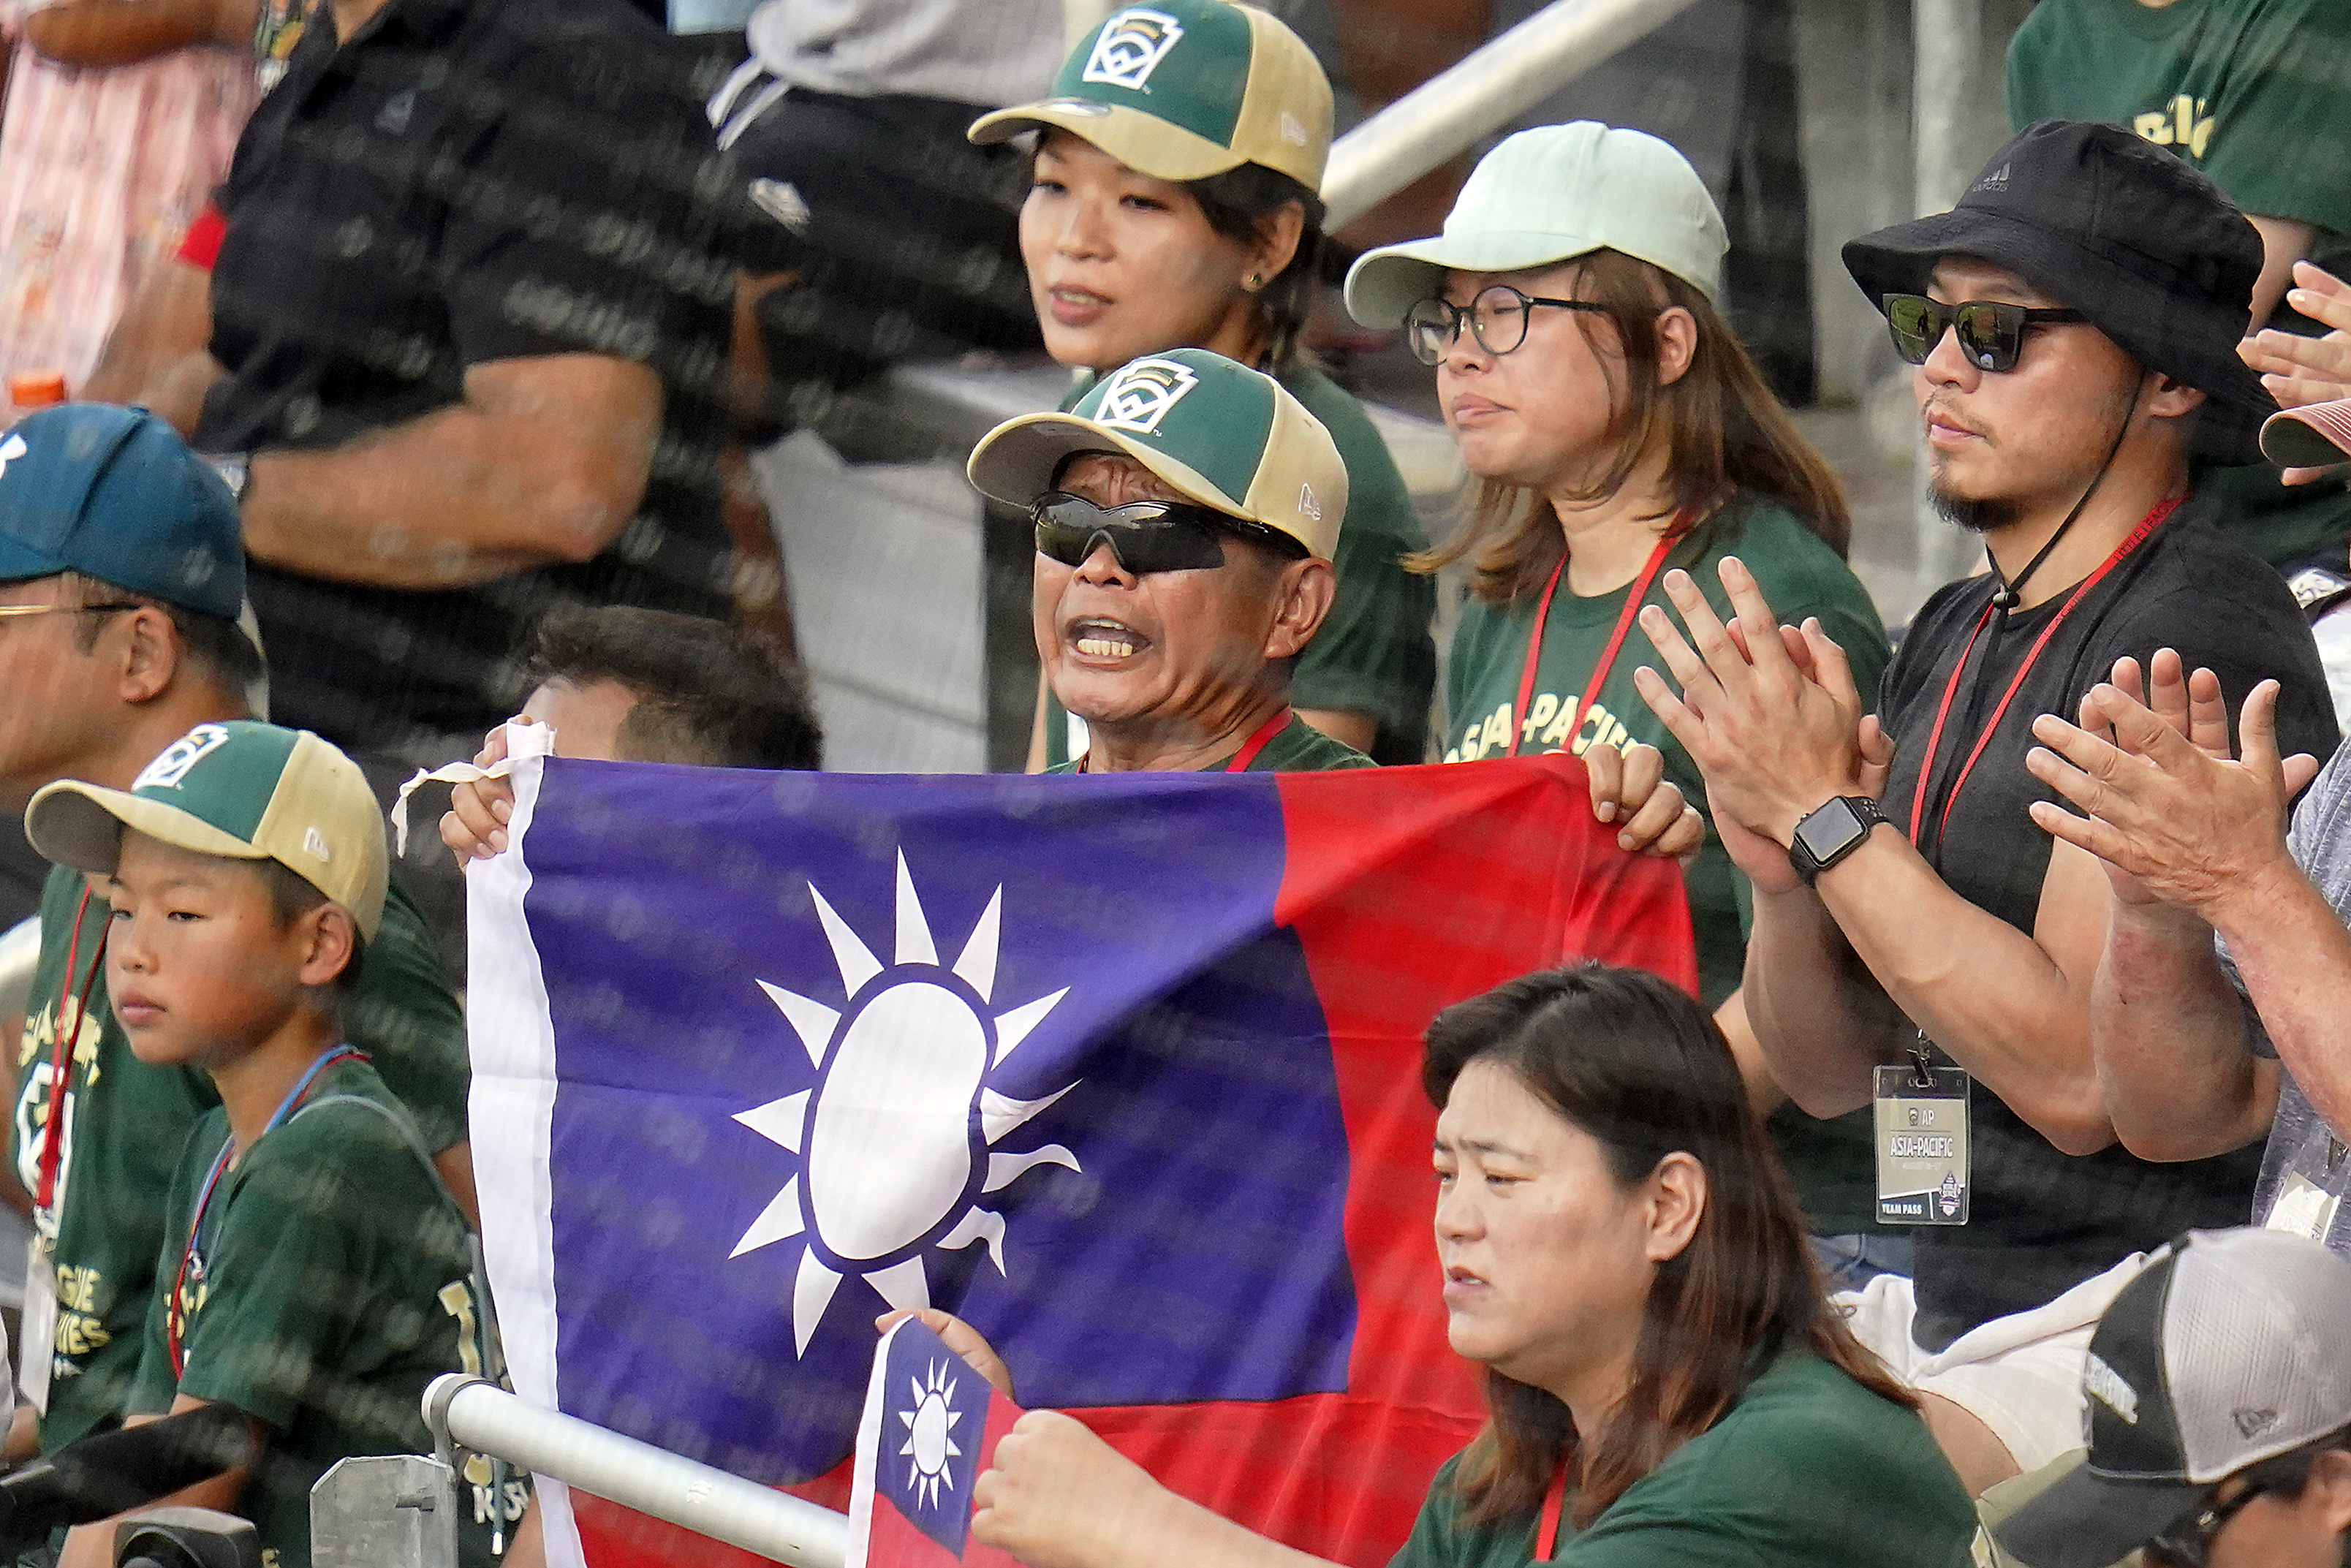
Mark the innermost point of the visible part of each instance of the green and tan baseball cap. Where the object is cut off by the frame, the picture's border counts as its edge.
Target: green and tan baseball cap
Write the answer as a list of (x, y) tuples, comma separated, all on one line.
[(242, 790), (1225, 436), (1181, 89)]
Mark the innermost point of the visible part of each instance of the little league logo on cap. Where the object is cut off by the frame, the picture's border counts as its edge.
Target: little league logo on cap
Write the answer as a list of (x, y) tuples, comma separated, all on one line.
[(1186, 89), (1219, 433), (1130, 47), (1138, 396), (171, 766), (241, 790)]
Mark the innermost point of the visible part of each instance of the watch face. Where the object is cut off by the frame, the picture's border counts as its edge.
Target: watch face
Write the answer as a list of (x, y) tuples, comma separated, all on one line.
[(1828, 830)]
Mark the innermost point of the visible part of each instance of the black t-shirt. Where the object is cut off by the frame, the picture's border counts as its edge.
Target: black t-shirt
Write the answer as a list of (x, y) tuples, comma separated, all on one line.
[(2041, 1221), (466, 181)]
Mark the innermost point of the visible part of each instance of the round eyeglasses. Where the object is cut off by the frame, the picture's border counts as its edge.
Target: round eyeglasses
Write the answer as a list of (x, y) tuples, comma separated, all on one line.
[(1496, 319)]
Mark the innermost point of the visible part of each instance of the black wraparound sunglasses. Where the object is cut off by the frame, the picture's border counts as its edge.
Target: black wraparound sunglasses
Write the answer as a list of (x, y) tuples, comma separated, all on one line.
[(1991, 332), (1147, 536)]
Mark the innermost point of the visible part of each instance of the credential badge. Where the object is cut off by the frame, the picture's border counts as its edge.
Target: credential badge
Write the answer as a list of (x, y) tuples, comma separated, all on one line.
[(171, 767), (1130, 48), (1139, 396)]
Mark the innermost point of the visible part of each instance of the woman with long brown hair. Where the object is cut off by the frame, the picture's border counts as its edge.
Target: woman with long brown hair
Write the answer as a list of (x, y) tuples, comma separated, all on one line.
[(1667, 1381), (1616, 429)]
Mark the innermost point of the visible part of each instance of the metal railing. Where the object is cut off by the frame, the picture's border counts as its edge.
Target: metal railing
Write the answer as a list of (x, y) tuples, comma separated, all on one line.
[(1452, 112), (480, 1416)]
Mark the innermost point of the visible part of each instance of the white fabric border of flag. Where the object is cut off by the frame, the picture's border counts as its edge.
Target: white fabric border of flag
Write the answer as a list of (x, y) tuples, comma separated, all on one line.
[(868, 1453), (510, 1037)]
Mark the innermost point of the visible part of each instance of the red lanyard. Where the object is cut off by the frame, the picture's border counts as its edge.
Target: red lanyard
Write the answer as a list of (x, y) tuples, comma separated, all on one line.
[(1249, 748), (2147, 525), (1547, 1528), (1640, 590), (1256, 743), (68, 1031), (176, 1310)]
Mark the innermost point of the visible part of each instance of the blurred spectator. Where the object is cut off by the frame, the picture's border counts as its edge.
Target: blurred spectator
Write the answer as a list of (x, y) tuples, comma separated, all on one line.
[(1593, 474), (2218, 1013), (2250, 92), (316, 1275), (121, 115), (2220, 1420), (119, 582), (466, 353), (1173, 204), (879, 233), (2300, 371), (651, 686), (1623, 1256), (1967, 948), (624, 685)]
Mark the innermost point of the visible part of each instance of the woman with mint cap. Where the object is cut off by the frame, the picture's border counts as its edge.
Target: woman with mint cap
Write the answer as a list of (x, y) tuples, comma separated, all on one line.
[(1615, 429), (1173, 206)]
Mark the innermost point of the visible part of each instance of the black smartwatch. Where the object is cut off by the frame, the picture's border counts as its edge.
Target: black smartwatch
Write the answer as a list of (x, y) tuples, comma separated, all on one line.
[(1828, 835)]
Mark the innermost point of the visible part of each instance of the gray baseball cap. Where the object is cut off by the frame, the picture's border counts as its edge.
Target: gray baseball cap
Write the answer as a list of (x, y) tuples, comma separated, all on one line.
[(2233, 1347)]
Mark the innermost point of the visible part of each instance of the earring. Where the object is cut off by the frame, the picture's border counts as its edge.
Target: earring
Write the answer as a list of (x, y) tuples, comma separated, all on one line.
[(1253, 282)]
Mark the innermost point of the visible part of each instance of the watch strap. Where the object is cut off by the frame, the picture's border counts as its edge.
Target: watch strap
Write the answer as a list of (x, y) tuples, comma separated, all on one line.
[(1865, 814)]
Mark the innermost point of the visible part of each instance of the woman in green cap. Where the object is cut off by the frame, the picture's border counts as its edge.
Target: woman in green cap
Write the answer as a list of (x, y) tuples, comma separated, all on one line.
[(1615, 428), (1174, 206)]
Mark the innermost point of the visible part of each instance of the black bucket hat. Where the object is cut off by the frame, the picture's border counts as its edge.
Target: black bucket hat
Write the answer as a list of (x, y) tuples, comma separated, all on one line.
[(2144, 247)]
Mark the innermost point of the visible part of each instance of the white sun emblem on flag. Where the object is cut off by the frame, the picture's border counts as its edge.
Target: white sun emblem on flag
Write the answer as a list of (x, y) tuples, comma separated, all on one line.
[(930, 1435), (895, 1140)]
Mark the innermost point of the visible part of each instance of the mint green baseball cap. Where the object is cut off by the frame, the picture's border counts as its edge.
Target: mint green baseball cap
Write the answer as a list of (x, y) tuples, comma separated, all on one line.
[(1221, 435), (241, 790), (1551, 194), (1181, 89)]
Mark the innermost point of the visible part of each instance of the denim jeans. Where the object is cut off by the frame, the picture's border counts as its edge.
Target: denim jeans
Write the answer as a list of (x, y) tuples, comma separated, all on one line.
[(1853, 1260)]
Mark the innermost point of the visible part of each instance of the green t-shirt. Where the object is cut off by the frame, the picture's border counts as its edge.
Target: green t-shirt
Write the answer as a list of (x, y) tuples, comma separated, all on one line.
[(126, 1121), (1808, 1468), (1372, 654), (2255, 94), (1297, 747), (2252, 92), (331, 1281), (1800, 577)]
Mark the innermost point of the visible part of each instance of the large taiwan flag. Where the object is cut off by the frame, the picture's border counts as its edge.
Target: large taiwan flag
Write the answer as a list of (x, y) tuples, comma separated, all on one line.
[(1122, 1070)]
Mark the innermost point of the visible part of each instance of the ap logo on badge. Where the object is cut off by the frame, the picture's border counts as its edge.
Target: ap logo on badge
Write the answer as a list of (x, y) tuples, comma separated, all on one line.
[(1139, 396), (1130, 48)]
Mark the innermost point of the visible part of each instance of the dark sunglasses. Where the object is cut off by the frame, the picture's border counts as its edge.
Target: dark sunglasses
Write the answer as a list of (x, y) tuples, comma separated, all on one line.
[(1147, 536), (1991, 334), (2186, 1541)]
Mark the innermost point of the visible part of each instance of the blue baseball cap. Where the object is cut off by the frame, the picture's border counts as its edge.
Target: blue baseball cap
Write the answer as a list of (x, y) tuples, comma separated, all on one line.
[(114, 493)]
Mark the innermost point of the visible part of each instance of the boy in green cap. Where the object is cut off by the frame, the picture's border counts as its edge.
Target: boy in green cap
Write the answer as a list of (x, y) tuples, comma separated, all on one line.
[(316, 1275)]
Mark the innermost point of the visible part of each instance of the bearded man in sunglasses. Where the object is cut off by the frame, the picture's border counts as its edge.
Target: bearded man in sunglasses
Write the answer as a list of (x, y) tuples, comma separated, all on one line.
[(2075, 323)]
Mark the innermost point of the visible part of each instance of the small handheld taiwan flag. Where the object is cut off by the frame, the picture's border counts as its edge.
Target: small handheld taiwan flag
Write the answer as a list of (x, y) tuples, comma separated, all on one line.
[(929, 1425)]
